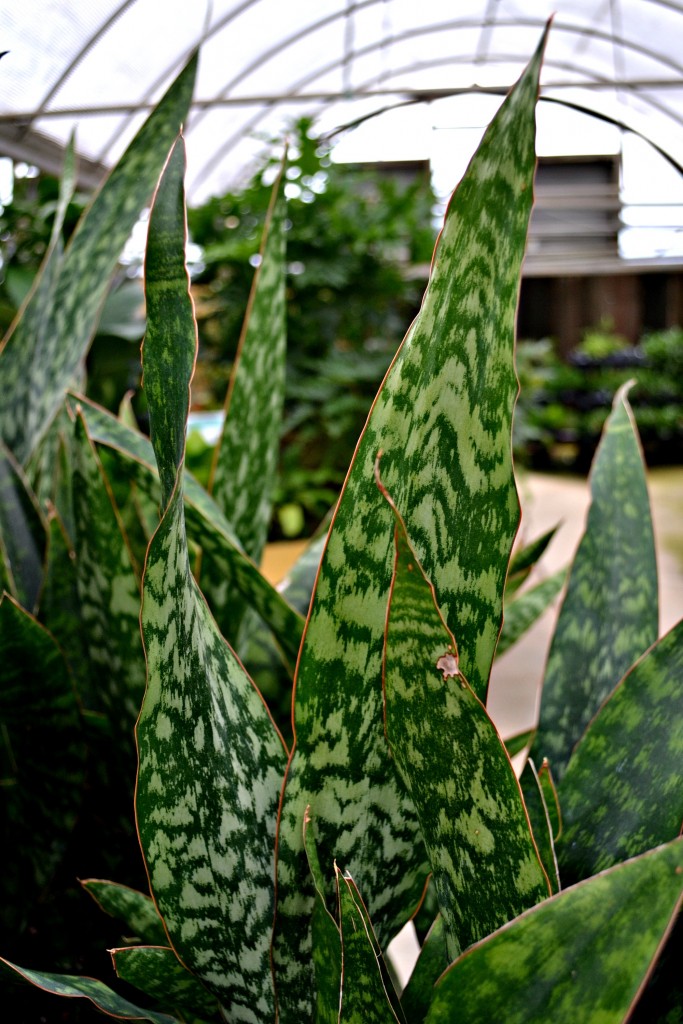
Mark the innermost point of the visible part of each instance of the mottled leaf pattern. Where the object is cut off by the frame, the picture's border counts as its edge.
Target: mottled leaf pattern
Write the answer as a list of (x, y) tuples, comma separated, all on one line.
[(22, 532), (135, 909), (41, 793), (609, 616), (364, 997), (580, 956), (38, 364), (326, 938), (205, 524), (98, 993), (211, 761), (246, 455), (443, 420), (541, 824), (527, 608), (108, 589), (156, 971), (485, 866), (622, 790)]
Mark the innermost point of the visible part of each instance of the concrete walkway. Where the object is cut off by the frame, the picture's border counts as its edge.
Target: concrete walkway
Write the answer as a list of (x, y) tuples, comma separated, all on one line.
[(547, 501)]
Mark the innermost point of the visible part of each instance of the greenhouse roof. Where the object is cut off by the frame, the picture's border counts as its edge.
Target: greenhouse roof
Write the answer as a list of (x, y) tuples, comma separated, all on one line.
[(98, 65)]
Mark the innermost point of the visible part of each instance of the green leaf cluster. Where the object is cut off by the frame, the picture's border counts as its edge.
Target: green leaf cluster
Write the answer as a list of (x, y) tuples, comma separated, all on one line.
[(280, 865)]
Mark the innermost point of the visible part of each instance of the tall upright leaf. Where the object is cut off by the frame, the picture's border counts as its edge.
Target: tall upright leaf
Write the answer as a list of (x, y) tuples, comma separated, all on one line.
[(206, 525), (40, 356), (581, 956), (622, 792), (443, 420), (609, 616), (22, 532), (211, 760), (485, 864)]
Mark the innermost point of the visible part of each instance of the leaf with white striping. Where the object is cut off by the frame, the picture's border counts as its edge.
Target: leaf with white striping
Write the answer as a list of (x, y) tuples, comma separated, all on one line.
[(211, 760), (443, 420)]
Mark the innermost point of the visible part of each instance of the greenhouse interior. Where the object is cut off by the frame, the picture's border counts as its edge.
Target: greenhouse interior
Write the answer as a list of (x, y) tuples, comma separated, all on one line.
[(341, 511)]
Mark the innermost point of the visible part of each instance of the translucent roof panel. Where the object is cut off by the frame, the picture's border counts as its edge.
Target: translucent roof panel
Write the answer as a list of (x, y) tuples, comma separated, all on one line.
[(98, 65)]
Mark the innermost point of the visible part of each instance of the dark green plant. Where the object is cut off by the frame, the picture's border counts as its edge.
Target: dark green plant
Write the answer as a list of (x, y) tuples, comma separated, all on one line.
[(280, 871)]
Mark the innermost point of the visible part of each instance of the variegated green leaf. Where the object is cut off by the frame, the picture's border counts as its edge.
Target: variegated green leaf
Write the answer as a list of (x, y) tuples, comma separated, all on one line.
[(485, 865), (157, 971), (541, 824), (326, 940), (211, 761), (622, 790), (246, 454), (108, 588), (364, 996), (41, 793), (516, 744), (552, 800), (22, 532), (524, 610), (443, 420), (431, 963), (609, 616), (582, 955), (97, 992), (130, 906), (297, 586), (205, 524), (37, 365)]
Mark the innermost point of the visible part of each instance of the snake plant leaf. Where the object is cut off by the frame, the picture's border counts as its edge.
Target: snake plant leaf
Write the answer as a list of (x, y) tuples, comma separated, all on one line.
[(443, 420), (527, 608), (245, 460), (430, 965), (135, 909), (22, 532), (582, 955), (42, 794), (74, 987), (108, 589), (524, 560), (205, 523), (485, 864), (621, 793), (326, 938), (517, 743), (364, 995), (662, 998), (211, 761), (609, 616), (60, 608), (37, 366), (297, 586), (552, 800), (541, 822), (157, 971)]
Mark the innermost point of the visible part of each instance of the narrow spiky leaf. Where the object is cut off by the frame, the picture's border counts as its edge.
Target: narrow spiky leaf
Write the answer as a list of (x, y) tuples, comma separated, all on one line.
[(443, 420), (22, 532), (582, 955), (38, 365), (41, 793), (622, 790), (135, 909), (609, 616), (326, 939), (211, 761), (431, 963), (364, 997), (205, 524), (157, 971), (108, 589), (524, 560), (97, 992), (524, 610), (246, 454), (541, 824), (485, 865)]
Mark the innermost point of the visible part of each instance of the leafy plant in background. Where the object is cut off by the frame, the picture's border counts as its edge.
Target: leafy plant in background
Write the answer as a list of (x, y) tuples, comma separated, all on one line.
[(279, 872)]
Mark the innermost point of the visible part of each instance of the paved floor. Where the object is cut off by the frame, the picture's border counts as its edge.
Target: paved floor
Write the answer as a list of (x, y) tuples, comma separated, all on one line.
[(546, 501)]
